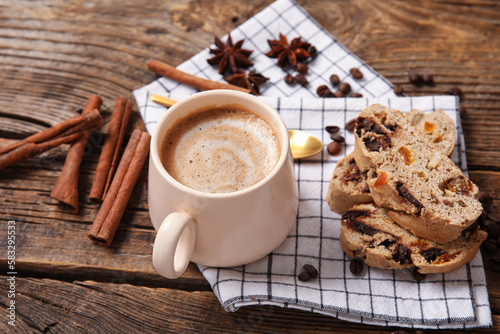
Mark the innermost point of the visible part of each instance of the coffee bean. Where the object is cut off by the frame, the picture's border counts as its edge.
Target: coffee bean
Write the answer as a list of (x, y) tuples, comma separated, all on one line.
[(289, 79), (355, 72), (311, 270), (304, 276), (492, 228), (428, 79), (344, 87), (417, 275), (334, 148), (490, 245), (331, 129), (398, 89), (338, 138), (356, 95), (495, 263), (312, 51), (334, 79), (463, 112), (415, 78), (456, 91), (301, 79), (338, 93), (495, 217), (484, 197), (356, 267), (350, 125), (321, 90), (301, 68)]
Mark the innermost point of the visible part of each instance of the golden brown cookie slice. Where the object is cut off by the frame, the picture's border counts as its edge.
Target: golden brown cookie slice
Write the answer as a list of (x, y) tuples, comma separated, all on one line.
[(426, 192), (370, 235)]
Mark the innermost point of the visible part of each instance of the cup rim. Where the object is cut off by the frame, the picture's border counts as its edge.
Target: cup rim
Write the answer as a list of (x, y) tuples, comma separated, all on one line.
[(284, 154)]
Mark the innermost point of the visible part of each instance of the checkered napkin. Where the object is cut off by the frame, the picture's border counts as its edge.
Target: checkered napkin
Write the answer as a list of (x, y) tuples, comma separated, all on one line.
[(376, 296)]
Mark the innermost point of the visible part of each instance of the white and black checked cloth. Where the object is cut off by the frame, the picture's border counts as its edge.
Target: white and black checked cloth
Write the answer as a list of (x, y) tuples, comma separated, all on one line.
[(377, 296)]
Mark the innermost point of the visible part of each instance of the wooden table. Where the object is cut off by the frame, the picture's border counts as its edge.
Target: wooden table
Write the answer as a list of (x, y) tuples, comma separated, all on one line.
[(54, 54)]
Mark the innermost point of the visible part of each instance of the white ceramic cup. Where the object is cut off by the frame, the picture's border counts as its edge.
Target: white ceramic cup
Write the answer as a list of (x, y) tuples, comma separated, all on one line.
[(224, 229)]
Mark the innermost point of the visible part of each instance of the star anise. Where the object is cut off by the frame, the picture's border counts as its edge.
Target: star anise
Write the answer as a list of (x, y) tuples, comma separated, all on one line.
[(229, 56), (288, 53), (251, 81)]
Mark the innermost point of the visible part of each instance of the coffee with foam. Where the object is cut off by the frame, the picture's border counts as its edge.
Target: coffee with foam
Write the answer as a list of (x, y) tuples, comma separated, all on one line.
[(220, 150)]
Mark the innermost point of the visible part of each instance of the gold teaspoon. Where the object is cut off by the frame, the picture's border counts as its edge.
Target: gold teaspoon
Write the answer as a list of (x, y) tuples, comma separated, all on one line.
[(302, 144)]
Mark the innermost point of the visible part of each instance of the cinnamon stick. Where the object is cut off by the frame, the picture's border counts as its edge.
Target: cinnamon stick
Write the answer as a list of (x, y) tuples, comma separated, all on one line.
[(72, 125), (110, 152), (66, 187), (108, 218), (25, 149), (189, 79)]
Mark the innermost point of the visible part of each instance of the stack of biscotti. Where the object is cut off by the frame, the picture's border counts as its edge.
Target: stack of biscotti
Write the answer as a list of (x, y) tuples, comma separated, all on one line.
[(369, 234), (348, 185), (421, 192)]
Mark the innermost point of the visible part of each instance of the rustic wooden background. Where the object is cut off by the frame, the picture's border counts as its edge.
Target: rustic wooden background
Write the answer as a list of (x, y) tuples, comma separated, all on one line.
[(55, 53)]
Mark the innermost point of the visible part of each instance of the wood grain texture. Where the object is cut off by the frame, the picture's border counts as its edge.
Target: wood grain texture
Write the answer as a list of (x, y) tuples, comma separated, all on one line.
[(46, 305), (54, 54)]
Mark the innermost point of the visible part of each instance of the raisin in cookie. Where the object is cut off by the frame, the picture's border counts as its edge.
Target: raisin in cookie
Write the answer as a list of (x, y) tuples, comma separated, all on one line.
[(370, 235), (348, 186), (438, 127), (423, 189)]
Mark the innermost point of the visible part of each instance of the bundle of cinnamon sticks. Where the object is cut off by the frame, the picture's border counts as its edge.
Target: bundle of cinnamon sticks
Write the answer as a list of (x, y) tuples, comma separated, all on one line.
[(114, 179)]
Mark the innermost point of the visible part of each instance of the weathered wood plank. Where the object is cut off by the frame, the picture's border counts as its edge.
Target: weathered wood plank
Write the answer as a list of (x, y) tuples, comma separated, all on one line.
[(44, 305)]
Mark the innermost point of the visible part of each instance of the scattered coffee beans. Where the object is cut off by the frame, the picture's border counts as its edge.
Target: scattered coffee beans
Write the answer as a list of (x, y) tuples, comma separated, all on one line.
[(311, 270), (356, 95), (289, 79), (338, 138), (301, 68), (417, 275), (495, 263), (493, 228), (355, 72), (490, 245), (398, 89), (304, 276), (428, 79), (344, 87), (334, 79), (312, 51), (415, 78), (349, 126), (322, 90), (334, 148), (331, 129), (338, 93), (301, 79), (456, 91), (484, 197), (356, 267), (494, 217)]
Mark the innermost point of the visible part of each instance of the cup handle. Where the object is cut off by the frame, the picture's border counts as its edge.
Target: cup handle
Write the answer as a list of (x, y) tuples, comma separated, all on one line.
[(174, 245)]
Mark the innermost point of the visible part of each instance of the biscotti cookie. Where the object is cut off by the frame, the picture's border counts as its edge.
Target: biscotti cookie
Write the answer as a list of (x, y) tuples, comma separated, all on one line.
[(348, 186), (424, 190), (438, 127), (369, 234)]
